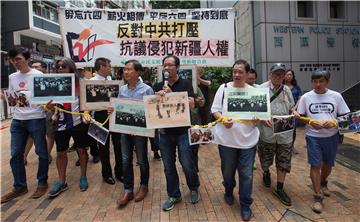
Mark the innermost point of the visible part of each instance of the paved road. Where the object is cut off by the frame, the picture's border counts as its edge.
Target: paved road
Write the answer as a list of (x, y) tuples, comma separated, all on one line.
[(98, 202)]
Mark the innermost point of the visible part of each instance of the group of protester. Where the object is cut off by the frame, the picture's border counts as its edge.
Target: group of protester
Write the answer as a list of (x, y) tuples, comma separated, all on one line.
[(238, 141)]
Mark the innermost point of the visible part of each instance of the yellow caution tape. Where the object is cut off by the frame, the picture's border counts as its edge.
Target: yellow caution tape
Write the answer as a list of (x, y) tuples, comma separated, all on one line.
[(332, 122), (222, 121), (86, 115)]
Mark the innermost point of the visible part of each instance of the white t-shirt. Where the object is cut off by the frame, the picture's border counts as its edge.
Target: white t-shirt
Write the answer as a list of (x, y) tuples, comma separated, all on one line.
[(240, 135), (325, 106), (21, 83)]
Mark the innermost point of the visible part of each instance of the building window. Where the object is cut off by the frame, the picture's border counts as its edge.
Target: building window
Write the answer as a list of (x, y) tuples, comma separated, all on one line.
[(305, 9), (337, 9), (45, 10)]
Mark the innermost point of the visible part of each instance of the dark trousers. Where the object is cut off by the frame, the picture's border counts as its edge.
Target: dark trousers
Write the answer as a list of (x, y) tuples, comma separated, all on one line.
[(104, 151), (128, 144), (154, 142)]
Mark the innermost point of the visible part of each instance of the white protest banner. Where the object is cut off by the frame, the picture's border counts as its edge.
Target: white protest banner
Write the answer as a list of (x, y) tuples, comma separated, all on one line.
[(204, 37)]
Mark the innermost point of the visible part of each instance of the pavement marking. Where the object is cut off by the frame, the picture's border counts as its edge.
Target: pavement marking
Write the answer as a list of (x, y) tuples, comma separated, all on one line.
[(46, 202), (8, 205), (290, 215), (340, 185), (14, 215), (340, 195), (54, 214)]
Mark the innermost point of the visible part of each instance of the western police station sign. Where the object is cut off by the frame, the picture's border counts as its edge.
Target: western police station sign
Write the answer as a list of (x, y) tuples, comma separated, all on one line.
[(199, 36)]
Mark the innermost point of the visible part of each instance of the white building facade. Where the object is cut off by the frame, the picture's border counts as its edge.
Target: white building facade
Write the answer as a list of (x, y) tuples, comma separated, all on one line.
[(304, 35)]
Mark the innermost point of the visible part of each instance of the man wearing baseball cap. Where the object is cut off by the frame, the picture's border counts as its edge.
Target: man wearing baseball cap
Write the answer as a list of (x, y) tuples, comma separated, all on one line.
[(279, 145)]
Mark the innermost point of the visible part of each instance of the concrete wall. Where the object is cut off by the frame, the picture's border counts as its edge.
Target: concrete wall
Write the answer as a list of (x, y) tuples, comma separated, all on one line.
[(279, 37)]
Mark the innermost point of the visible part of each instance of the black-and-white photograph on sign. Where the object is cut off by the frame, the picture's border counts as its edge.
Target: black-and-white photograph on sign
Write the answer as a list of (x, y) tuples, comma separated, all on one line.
[(60, 88), (96, 94), (247, 103), (282, 124), (98, 132), (200, 135), (129, 117)]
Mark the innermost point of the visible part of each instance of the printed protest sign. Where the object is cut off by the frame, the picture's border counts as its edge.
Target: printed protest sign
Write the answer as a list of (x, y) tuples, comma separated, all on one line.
[(247, 103), (129, 117), (171, 110), (349, 123)]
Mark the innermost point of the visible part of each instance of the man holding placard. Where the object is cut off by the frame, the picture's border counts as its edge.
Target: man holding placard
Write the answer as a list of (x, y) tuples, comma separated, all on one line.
[(103, 72), (27, 120), (280, 145), (237, 143), (135, 89), (170, 138)]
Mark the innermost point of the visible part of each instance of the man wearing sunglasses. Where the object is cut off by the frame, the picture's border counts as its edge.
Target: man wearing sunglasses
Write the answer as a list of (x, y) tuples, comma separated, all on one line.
[(280, 145)]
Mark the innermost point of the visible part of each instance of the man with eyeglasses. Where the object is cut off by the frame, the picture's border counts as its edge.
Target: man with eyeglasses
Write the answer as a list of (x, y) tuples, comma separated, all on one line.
[(27, 120), (280, 145), (170, 138), (103, 72)]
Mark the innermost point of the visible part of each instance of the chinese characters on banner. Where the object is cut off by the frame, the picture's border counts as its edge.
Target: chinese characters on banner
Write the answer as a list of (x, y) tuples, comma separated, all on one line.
[(200, 36)]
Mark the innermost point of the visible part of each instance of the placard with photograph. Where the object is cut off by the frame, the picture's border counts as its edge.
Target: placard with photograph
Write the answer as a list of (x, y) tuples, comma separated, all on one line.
[(247, 103), (200, 135), (60, 88), (98, 132), (17, 99), (349, 123), (96, 94), (171, 110), (185, 72), (129, 117), (282, 124)]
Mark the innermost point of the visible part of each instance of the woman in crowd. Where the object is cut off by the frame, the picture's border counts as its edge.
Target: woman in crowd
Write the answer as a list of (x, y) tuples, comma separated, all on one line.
[(291, 82)]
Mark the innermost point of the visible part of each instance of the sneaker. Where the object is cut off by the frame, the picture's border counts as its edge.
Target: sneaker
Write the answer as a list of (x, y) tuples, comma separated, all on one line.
[(246, 213), (267, 179), (194, 196), (83, 184), (57, 189), (317, 205), (13, 194), (283, 197), (157, 156), (325, 190), (170, 203), (229, 198)]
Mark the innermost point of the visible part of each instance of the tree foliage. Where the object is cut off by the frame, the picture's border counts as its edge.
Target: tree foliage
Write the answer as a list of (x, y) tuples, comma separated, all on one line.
[(175, 4), (218, 76)]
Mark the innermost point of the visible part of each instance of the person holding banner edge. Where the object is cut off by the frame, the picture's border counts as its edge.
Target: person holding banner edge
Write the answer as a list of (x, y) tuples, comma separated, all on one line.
[(237, 144), (170, 138)]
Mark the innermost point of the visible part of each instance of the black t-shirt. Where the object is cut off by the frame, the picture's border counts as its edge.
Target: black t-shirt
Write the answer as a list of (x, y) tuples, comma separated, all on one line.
[(181, 85)]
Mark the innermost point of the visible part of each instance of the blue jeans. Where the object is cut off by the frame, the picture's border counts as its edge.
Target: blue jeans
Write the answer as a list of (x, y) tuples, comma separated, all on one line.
[(242, 160), (20, 130), (128, 143), (168, 145)]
